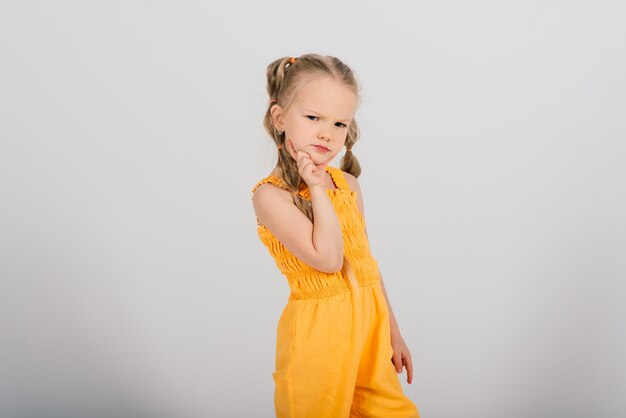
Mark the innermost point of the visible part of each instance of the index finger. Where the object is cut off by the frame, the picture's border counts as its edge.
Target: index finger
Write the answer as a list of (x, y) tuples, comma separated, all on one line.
[(304, 153), (409, 369)]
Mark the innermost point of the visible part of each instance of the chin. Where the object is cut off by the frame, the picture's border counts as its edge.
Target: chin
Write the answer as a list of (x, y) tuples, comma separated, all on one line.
[(324, 158)]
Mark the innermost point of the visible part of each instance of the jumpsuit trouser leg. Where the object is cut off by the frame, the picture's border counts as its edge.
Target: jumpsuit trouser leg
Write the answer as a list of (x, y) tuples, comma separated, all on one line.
[(378, 392), (333, 358)]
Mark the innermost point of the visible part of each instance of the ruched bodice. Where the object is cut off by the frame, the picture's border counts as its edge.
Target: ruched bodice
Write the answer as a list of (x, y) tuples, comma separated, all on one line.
[(307, 282)]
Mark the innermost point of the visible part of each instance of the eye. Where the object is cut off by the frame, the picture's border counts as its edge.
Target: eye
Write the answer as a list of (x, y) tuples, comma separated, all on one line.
[(311, 117)]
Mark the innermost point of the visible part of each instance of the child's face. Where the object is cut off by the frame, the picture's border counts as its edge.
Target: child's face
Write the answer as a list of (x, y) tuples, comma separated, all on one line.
[(319, 115)]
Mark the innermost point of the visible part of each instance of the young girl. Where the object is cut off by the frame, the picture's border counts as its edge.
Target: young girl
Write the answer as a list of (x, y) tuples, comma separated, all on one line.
[(338, 345)]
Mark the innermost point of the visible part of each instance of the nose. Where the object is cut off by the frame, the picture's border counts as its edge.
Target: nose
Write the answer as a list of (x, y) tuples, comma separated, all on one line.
[(324, 136)]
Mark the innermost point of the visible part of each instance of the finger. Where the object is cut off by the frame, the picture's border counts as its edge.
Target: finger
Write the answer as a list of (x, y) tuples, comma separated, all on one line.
[(299, 153), (301, 159), (397, 362), (304, 158), (409, 369), (308, 162)]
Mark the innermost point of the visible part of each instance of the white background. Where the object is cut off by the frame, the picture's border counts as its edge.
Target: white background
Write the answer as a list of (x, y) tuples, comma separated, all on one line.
[(132, 281)]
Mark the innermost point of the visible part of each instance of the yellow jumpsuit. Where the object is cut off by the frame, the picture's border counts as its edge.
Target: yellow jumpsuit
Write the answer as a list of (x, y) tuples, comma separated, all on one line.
[(333, 346)]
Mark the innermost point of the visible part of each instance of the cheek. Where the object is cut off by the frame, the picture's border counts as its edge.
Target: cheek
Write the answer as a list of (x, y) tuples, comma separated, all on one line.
[(299, 138), (303, 131)]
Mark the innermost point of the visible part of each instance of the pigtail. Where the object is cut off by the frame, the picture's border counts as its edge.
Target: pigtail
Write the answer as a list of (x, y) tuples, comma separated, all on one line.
[(349, 162), (288, 172)]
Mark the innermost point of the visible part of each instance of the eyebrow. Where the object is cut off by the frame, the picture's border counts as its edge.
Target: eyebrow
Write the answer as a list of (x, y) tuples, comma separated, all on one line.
[(315, 111)]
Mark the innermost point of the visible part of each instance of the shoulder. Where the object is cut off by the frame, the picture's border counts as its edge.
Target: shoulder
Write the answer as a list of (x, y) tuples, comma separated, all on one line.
[(271, 181), (268, 191), (352, 181)]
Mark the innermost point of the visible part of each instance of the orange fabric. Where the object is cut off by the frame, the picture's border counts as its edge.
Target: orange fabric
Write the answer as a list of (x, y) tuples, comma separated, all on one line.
[(333, 346)]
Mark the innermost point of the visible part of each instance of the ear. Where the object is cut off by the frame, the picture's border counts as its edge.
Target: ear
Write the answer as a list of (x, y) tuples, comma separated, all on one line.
[(277, 116)]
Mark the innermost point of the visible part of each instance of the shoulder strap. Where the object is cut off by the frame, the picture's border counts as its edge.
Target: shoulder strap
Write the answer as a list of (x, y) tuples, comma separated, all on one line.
[(275, 180), (338, 177)]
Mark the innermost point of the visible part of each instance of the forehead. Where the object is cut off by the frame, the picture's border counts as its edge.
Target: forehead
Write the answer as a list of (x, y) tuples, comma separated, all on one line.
[(327, 97)]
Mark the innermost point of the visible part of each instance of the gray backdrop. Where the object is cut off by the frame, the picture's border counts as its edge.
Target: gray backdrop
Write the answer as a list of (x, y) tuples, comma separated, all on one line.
[(133, 283)]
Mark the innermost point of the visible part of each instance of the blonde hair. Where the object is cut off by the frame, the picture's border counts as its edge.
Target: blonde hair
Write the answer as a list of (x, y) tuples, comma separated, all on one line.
[(285, 78)]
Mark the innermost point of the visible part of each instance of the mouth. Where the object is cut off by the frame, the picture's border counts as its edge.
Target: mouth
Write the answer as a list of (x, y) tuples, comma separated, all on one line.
[(321, 148)]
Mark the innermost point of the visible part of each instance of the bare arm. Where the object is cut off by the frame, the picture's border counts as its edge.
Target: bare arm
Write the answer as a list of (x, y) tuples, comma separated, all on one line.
[(327, 234), (319, 245)]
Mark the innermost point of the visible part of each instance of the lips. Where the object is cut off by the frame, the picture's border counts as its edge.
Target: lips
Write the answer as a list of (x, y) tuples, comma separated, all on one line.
[(321, 148)]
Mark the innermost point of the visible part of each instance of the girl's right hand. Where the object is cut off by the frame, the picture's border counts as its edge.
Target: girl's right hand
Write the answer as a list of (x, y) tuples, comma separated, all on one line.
[(313, 174)]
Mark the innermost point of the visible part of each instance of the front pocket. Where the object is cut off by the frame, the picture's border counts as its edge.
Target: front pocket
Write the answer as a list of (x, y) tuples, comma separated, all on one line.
[(286, 336)]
